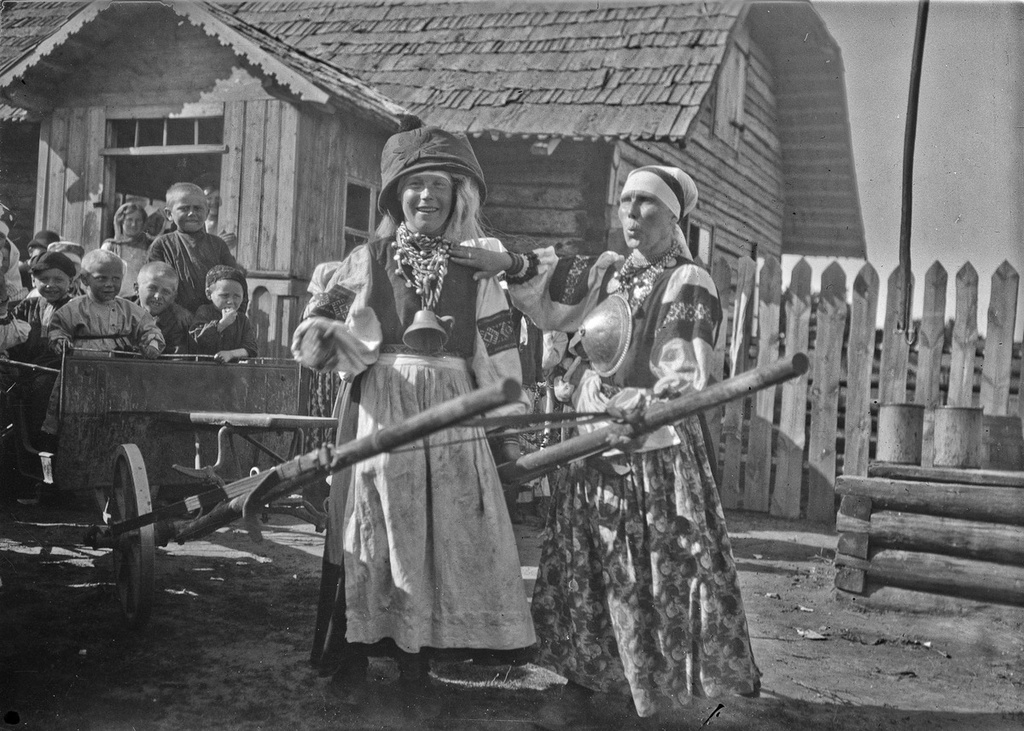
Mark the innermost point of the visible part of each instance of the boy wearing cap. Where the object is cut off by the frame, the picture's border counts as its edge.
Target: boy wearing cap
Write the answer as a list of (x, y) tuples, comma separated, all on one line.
[(36, 248), (222, 329), (23, 334)]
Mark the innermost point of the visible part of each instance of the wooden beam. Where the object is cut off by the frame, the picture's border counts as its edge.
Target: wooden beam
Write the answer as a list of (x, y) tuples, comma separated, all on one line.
[(978, 580), (1003, 505), (964, 538), (994, 478), (164, 150)]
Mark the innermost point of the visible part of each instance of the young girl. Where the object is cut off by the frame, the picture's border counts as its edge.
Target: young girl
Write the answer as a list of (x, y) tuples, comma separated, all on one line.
[(221, 329)]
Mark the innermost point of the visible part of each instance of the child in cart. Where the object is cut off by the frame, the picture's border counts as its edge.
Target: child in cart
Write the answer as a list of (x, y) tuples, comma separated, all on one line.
[(158, 287), (222, 329)]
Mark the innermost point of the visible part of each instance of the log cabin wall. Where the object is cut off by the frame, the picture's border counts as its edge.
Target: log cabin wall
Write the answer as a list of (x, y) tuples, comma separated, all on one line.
[(546, 199), (740, 181)]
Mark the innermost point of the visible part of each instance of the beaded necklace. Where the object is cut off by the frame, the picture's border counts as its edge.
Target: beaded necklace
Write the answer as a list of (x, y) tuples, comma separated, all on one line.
[(426, 258), (636, 278)]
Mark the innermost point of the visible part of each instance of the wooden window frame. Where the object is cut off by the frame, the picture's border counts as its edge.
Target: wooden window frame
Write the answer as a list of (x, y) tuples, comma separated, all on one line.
[(372, 213)]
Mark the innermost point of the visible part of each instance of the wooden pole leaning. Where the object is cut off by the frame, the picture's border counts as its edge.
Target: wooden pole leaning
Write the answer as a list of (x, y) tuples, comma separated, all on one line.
[(618, 434)]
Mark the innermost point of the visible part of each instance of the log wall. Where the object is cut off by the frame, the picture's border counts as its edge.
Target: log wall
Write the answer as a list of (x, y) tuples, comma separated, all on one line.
[(925, 533)]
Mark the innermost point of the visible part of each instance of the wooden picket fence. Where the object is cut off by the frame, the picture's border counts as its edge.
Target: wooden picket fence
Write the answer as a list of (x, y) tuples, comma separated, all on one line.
[(781, 450)]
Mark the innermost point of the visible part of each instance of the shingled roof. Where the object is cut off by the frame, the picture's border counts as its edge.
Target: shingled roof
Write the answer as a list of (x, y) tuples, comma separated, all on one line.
[(29, 36), (578, 69)]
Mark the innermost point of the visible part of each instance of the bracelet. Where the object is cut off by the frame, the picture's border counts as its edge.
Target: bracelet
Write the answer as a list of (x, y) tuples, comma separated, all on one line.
[(526, 274), (517, 265)]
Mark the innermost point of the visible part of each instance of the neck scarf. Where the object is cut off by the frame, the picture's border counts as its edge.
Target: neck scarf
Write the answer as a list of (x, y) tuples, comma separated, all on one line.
[(422, 263)]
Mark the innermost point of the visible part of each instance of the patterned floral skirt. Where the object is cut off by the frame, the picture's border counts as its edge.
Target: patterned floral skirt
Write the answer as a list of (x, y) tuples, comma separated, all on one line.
[(637, 591)]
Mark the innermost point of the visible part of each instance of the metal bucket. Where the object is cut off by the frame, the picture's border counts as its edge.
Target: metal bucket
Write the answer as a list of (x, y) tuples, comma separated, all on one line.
[(900, 428), (957, 436)]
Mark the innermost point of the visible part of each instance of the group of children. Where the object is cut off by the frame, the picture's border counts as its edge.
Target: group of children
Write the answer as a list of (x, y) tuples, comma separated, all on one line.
[(190, 298)]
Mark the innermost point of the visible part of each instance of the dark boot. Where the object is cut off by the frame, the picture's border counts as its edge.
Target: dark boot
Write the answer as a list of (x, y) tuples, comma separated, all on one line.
[(349, 685)]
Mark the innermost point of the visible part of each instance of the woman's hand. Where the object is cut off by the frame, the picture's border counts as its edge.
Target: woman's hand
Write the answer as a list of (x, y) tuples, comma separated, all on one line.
[(313, 345), (487, 263)]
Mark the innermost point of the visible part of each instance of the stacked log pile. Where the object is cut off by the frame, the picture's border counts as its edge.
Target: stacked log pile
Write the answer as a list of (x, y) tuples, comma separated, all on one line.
[(951, 532)]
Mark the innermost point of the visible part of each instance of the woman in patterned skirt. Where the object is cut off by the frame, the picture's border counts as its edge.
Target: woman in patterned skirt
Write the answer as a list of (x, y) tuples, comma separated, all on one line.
[(637, 591)]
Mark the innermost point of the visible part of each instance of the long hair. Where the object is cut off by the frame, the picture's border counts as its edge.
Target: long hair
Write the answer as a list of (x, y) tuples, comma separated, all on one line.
[(125, 210), (464, 222)]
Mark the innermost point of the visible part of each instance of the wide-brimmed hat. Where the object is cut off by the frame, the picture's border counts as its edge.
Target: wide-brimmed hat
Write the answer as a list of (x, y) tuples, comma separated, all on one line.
[(418, 148)]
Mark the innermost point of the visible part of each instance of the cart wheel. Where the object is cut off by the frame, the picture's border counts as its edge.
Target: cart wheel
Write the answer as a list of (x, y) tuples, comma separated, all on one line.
[(135, 552)]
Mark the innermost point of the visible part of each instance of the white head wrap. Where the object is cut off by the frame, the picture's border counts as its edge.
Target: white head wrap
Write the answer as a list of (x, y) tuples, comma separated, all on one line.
[(674, 188)]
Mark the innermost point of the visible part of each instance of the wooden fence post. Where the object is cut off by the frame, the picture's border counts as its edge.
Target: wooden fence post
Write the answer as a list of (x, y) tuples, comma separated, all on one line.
[(892, 375), (789, 469), (759, 443), (1002, 319), (739, 349), (721, 273), (930, 342), (860, 356), (965, 338), (828, 348)]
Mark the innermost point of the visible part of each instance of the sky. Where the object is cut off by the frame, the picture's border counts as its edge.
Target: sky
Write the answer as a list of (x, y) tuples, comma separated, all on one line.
[(968, 191)]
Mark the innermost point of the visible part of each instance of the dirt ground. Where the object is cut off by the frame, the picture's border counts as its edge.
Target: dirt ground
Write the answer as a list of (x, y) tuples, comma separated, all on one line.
[(228, 641)]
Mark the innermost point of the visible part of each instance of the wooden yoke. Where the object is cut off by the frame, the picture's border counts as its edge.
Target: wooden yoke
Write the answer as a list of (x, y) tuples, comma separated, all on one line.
[(616, 435)]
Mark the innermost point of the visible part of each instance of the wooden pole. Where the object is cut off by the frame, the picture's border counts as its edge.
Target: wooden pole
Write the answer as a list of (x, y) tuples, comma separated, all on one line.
[(617, 435)]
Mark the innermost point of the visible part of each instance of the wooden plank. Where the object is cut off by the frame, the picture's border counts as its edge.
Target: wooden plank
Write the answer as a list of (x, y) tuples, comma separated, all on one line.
[(739, 353), (789, 469), (74, 183), (42, 174), (860, 361), (968, 502), (231, 171), (974, 579), (286, 190), (759, 444), (92, 179), (721, 273), (271, 165), (827, 367), (892, 384), (931, 337), (936, 534), (965, 338), (1007, 478), (251, 193), (58, 151), (1002, 319)]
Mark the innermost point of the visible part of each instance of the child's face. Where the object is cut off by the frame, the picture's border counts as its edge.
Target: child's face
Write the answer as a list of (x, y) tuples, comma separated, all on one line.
[(103, 280), (157, 293), (225, 294), (188, 211), (51, 284)]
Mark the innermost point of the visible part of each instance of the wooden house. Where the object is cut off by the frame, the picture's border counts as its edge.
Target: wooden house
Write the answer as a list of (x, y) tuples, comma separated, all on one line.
[(561, 102), (132, 97)]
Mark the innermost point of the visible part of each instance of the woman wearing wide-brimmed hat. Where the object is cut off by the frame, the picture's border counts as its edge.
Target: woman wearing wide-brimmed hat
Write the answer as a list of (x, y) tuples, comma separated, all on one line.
[(420, 556), (637, 590)]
